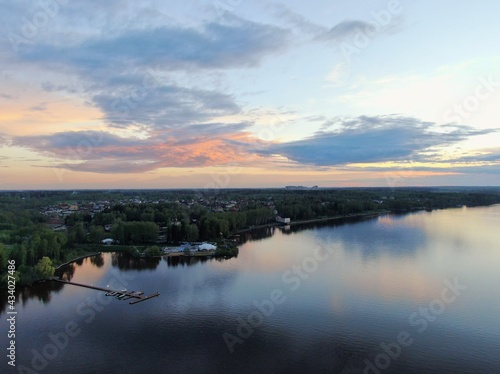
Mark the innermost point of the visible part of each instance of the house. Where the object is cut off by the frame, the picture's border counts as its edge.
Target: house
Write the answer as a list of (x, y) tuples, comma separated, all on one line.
[(206, 247), (285, 221)]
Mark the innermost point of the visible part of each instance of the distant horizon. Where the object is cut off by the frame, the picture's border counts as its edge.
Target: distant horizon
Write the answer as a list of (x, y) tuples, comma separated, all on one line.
[(308, 188)]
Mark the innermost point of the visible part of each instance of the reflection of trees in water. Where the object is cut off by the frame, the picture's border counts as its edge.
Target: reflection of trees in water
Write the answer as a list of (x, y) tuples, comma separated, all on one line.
[(257, 234), (222, 259), (41, 291), (314, 225), (267, 232), (66, 272), (124, 261), (4, 297), (174, 261), (97, 260)]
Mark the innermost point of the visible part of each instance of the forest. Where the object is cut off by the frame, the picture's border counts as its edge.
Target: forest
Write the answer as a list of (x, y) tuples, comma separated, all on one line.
[(39, 232)]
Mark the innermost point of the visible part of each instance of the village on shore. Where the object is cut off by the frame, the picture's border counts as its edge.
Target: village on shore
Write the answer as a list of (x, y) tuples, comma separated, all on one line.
[(41, 230)]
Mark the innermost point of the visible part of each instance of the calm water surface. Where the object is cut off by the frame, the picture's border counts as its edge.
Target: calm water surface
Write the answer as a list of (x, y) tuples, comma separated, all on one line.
[(342, 295)]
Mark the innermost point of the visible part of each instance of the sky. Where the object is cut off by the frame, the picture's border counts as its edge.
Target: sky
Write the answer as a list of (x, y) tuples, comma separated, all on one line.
[(238, 93)]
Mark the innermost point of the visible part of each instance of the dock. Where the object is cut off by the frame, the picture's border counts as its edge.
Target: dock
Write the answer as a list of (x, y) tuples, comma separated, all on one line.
[(121, 294), (145, 298)]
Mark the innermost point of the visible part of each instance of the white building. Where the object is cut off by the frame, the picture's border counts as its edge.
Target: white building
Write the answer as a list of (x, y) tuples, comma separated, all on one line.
[(285, 221), (206, 247)]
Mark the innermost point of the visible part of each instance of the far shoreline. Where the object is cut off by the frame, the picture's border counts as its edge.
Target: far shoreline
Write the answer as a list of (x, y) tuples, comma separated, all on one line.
[(316, 220), (271, 224)]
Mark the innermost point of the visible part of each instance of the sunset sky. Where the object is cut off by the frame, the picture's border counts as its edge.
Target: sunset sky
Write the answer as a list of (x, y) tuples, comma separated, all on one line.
[(240, 93)]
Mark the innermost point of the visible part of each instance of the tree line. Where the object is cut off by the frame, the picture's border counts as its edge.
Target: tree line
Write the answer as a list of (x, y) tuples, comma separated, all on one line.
[(186, 215)]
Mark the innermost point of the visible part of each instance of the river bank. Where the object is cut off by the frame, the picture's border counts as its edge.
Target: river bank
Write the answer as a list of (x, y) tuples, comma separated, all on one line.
[(326, 219), (76, 259), (134, 250), (315, 220)]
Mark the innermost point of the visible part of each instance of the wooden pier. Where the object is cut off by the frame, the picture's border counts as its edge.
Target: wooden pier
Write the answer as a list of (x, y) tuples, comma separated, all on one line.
[(121, 294)]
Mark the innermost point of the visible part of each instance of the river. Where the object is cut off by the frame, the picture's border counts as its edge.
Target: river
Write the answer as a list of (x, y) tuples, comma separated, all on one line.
[(412, 293)]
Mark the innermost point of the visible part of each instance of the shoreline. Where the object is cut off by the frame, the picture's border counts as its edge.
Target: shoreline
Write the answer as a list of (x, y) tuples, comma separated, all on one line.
[(76, 259), (356, 215), (314, 220), (271, 224), (59, 267)]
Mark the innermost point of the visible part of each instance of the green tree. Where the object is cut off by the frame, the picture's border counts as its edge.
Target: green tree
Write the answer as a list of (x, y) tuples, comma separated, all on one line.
[(192, 233), (3, 259), (76, 235), (44, 268), (118, 232), (152, 251), (96, 234)]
